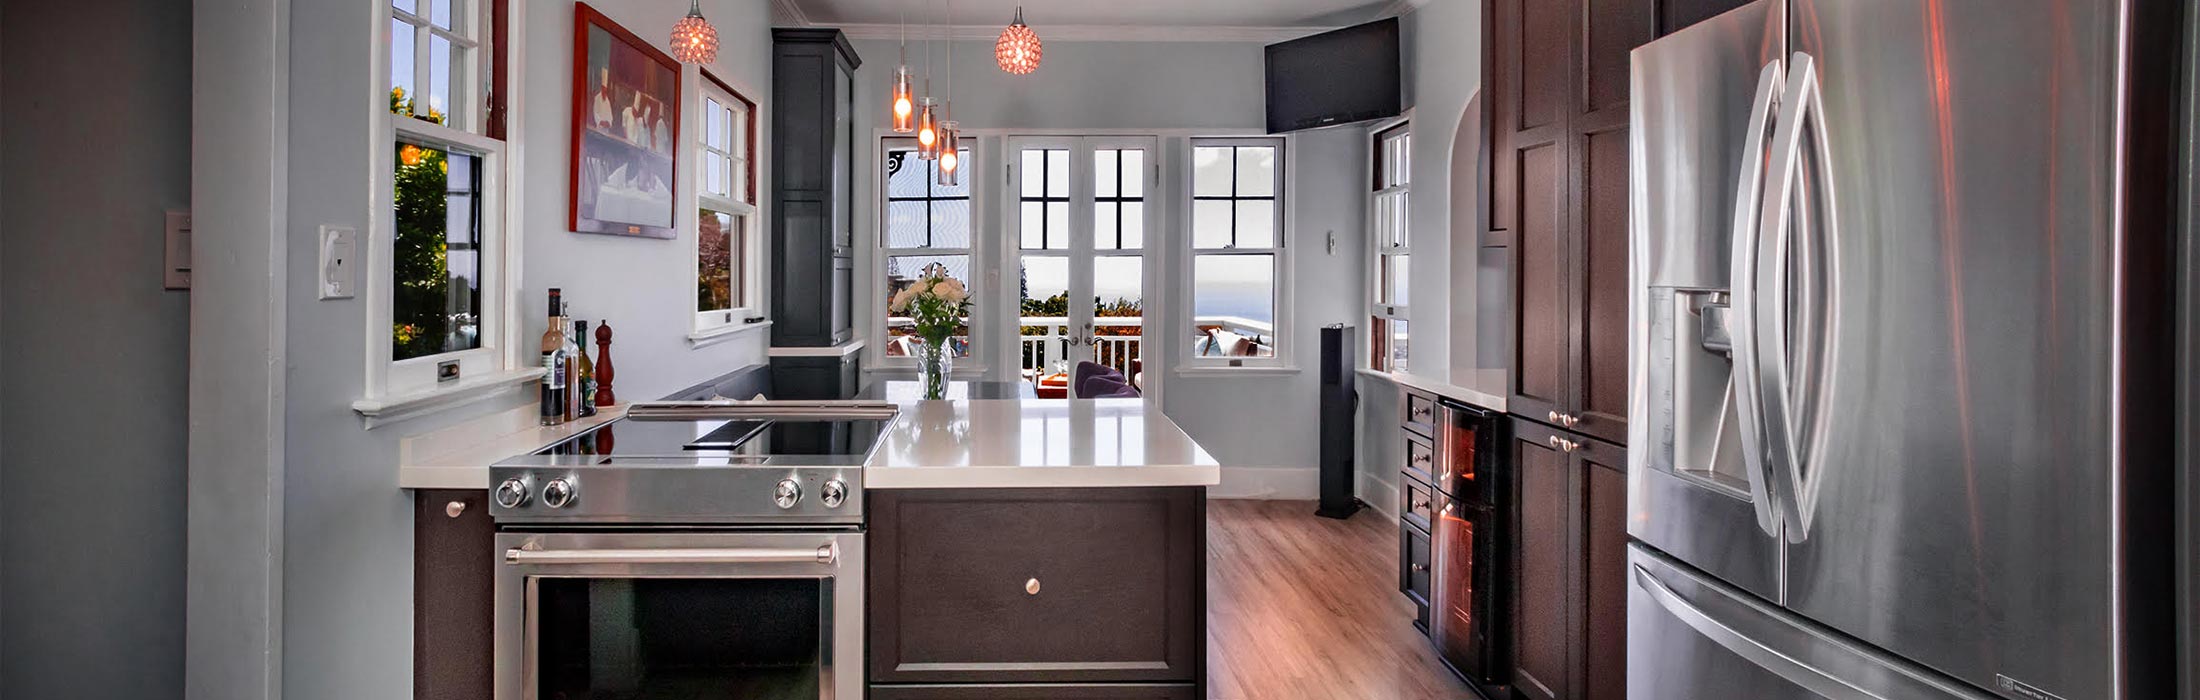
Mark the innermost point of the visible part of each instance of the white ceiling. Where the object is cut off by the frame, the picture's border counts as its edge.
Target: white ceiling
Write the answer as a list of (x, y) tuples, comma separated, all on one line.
[(1072, 20)]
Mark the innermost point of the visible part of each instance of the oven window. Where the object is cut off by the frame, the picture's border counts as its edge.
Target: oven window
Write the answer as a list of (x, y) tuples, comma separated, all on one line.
[(680, 638)]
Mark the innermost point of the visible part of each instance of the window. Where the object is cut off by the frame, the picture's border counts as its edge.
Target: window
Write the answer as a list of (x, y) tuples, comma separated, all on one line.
[(725, 231), (1237, 250), (927, 226), (440, 314), (1388, 319)]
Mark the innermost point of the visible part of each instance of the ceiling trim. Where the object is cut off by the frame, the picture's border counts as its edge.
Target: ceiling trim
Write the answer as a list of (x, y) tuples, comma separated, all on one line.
[(792, 12), (1082, 32)]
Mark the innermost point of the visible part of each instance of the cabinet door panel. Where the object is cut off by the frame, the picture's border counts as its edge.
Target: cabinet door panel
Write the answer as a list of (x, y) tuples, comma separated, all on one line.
[(1611, 29), (1037, 586), (1676, 15), (1545, 63), (1540, 611), (454, 595), (1600, 299), (1540, 255), (1604, 612), (1037, 691)]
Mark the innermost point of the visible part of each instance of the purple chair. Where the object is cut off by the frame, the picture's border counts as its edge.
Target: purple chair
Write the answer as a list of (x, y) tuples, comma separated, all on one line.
[(1094, 380)]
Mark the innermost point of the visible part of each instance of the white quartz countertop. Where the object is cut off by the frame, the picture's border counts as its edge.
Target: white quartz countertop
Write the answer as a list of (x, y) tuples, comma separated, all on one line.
[(1488, 390), (1037, 443), (458, 457)]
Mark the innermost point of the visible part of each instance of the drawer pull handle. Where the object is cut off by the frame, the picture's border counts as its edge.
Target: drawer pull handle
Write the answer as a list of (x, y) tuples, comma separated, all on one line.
[(1420, 505), (454, 508), (1420, 567), (1031, 587)]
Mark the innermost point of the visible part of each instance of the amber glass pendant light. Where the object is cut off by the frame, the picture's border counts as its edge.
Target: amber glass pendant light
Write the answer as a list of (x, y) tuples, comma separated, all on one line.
[(950, 155), (905, 98)]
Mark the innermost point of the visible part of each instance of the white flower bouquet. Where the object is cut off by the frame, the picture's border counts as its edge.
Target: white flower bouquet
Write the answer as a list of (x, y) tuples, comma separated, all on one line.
[(935, 305)]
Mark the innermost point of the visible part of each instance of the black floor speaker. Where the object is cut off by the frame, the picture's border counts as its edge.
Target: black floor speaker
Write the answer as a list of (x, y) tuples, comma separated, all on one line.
[(1339, 402)]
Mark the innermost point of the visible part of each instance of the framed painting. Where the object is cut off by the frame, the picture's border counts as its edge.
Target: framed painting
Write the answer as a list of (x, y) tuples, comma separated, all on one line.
[(626, 130)]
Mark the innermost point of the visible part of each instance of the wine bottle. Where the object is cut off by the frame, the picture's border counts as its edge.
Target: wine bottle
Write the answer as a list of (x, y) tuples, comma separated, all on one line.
[(569, 352), (553, 362), (588, 370)]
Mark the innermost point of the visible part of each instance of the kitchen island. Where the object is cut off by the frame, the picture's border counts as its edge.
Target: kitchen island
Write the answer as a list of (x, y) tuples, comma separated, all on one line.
[(1005, 548)]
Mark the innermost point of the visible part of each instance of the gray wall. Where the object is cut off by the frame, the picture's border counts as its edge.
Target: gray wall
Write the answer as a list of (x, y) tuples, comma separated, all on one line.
[(96, 145), (347, 528)]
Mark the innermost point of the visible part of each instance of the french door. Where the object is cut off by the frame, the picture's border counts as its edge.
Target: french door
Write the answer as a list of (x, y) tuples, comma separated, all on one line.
[(1081, 220)]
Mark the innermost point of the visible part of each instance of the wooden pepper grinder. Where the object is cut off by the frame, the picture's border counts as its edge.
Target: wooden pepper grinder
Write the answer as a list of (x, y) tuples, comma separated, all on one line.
[(604, 397)]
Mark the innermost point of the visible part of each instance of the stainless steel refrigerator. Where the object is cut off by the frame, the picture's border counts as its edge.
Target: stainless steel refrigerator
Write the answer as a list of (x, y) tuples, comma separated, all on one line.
[(1901, 351)]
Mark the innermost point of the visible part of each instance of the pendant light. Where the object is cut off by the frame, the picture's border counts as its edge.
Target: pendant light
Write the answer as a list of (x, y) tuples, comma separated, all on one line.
[(693, 39), (1018, 50), (905, 98), (928, 134), (950, 155)]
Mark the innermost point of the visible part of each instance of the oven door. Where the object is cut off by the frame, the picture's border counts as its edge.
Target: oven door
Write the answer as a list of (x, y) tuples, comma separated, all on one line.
[(679, 614), (1465, 546)]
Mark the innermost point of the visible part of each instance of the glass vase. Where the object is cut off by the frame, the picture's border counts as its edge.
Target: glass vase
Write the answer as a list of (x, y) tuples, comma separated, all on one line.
[(934, 362)]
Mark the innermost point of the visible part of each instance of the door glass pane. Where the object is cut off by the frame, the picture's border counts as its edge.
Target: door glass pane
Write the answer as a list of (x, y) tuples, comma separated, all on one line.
[(1057, 174), (1118, 287), (680, 638), (1211, 223), (1104, 174), (1256, 172), (1043, 285), (1256, 223), (436, 292), (1211, 171), (1058, 225), (1034, 226), (1134, 225), (1105, 232), (1233, 305), (1134, 173), (1035, 173), (903, 271)]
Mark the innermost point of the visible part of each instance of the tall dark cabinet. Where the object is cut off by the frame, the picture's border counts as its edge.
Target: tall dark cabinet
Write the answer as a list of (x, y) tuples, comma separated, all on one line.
[(812, 216), (1556, 79)]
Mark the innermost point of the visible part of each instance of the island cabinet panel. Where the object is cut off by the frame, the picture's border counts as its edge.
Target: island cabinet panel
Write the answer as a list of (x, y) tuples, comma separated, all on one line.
[(454, 591), (1040, 691), (1035, 586)]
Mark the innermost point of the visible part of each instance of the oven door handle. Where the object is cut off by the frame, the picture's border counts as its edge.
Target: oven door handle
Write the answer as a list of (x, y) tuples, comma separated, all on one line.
[(823, 554)]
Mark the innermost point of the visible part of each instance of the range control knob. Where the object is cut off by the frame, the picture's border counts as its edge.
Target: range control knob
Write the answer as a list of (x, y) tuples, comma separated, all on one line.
[(559, 493), (512, 493), (787, 494), (834, 493)]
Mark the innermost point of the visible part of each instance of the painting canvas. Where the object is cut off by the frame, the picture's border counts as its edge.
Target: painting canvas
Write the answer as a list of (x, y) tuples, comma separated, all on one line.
[(626, 126)]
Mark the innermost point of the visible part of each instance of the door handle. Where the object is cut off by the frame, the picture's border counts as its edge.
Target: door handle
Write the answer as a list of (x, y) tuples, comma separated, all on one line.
[(1804, 104), (823, 554), (1742, 296)]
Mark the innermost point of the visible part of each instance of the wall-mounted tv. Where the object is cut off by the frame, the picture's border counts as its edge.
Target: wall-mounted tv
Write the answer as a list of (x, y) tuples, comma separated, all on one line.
[(1348, 75)]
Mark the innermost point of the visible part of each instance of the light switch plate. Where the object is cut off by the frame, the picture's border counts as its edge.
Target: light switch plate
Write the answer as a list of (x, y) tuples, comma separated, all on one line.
[(176, 249), (339, 255)]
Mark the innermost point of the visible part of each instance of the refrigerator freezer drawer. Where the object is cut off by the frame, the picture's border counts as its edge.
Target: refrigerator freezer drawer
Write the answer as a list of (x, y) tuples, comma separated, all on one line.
[(1690, 637)]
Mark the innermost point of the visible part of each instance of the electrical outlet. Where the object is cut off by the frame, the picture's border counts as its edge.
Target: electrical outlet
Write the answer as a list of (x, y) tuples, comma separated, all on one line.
[(176, 249), (339, 255)]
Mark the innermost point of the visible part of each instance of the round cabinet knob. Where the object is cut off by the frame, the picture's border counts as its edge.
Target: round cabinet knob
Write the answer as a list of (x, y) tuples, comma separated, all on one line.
[(1031, 587), (834, 493), (559, 493), (454, 508), (787, 494), (512, 493)]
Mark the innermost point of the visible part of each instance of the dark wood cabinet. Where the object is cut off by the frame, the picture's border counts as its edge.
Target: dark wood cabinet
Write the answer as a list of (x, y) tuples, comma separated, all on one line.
[(454, 592), (817, 377), (1569, 594), (1557, 71), (813, 176), (1010, 587), (1039, 691)]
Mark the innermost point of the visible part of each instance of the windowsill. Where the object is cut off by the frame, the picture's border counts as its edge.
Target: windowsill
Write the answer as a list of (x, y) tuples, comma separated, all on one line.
[(1227, 371), (392, 409), (720, 334)]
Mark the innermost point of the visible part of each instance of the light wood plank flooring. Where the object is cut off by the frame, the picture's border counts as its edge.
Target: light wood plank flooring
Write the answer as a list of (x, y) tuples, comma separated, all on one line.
[(1301, 607)]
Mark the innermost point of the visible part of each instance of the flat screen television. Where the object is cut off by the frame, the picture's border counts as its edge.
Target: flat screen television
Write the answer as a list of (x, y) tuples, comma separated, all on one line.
[(1348, 75)]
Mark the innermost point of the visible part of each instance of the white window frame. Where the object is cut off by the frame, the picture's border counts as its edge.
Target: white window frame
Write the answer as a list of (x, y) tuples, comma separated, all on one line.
[(879, 322), (739, 203), (399, 389), (1391, 169), (1191, 360)]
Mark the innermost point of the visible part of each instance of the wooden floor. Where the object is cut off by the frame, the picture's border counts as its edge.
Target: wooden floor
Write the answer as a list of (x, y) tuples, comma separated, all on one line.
[(1303, 607)]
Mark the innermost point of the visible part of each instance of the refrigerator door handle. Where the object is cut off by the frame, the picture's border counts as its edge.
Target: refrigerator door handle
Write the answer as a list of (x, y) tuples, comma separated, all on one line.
[(1804, 107), (1746, 392)]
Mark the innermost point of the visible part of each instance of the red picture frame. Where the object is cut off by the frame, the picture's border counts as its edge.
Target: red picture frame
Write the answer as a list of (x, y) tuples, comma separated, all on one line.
[(626, 132)]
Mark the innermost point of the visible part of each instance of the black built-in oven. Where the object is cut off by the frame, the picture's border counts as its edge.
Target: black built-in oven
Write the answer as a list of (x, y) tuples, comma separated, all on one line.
[(1468, 542)]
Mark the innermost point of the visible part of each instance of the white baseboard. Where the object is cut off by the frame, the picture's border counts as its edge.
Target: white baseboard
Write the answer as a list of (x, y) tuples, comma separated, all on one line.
[(1268, 483), (1380, 496)]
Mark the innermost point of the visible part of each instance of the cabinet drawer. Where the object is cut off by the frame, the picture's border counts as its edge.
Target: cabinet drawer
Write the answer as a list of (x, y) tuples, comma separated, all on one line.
[(1420, 458), (1415, 501), (1413, 573), (1038, 691), (1419, 414), (989, 586)]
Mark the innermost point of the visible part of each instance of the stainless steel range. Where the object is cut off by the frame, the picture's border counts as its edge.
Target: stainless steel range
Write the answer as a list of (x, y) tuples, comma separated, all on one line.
[(710, 549)]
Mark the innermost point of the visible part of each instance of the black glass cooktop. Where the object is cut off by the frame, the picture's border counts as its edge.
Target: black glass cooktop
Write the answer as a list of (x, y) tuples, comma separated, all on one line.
[(722, 438)]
